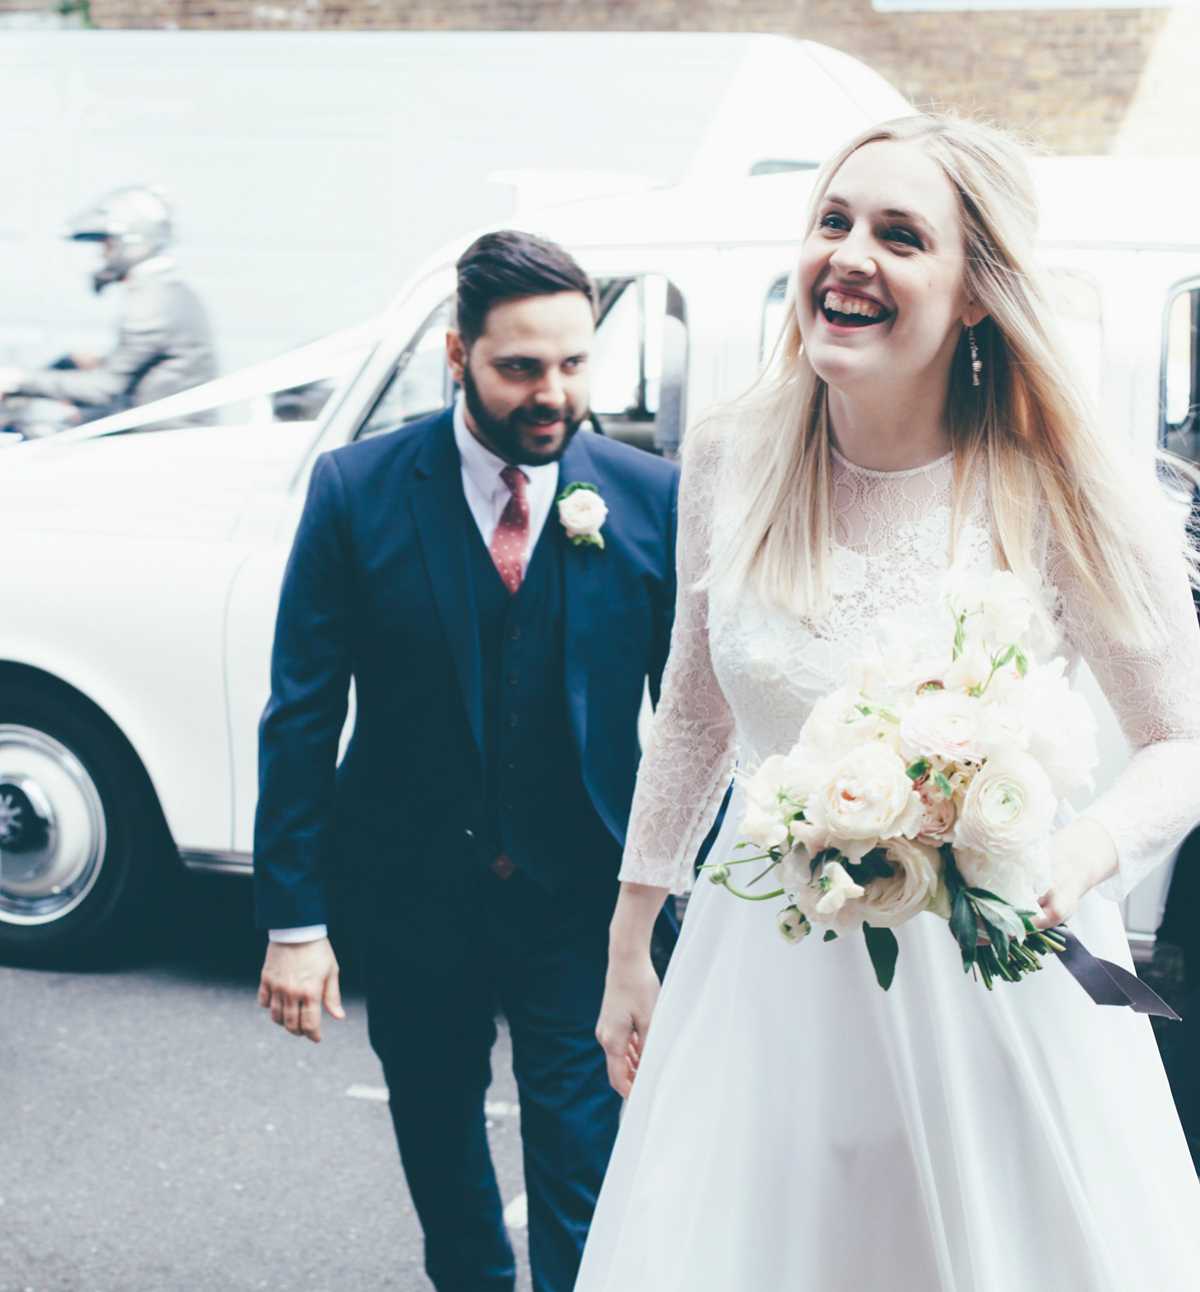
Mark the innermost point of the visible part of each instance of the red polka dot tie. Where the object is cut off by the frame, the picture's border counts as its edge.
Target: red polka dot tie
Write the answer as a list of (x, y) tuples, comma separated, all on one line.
[(512, 533)]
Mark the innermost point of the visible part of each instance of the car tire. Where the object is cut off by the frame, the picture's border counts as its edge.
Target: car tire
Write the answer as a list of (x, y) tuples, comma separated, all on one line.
[(83, 846)]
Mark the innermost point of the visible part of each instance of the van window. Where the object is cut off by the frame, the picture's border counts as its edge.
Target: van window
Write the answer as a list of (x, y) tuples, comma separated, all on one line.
[(639, 367), (1079, 313), (1181, 375), (774, 312)]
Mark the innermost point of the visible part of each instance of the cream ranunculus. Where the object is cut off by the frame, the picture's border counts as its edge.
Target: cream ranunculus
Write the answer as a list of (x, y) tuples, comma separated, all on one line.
[(1008, 808), (793, 924), (911, 889), (582, 513), (866, 796), (947, 725)]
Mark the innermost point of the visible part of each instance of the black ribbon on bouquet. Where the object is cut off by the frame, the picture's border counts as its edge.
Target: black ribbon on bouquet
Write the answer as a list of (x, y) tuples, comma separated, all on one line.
[(1107, 983)]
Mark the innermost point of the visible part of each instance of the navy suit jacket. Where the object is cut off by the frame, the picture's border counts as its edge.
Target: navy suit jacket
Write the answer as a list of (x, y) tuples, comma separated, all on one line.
[(378, 589)]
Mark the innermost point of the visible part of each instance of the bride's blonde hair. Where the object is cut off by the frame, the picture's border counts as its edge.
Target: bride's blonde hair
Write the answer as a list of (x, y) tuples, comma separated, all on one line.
[(1026, 420)]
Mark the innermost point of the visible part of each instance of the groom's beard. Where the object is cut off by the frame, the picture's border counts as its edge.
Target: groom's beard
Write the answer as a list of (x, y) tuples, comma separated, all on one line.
[(512, 435)]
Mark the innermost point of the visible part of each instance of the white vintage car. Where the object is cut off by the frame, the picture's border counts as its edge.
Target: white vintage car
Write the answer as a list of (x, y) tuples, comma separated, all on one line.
[(142, 564)]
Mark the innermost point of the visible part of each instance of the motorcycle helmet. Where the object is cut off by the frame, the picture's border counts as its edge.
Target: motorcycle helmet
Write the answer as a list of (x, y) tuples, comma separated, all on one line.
[(133, 223)]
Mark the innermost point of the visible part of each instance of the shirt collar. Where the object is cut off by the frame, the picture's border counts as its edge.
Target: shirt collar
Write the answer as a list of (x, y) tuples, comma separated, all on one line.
[(481, 464)]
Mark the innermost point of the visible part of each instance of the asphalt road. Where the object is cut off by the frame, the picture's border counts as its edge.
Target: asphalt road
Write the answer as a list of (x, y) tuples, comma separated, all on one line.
[(159, 1134)]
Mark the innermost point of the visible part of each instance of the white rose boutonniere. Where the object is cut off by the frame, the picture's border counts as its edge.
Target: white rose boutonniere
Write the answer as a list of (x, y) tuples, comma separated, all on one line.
[(582, 512)]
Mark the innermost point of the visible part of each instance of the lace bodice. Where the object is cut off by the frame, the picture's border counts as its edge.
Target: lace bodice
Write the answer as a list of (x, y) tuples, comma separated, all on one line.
[(743, 676)]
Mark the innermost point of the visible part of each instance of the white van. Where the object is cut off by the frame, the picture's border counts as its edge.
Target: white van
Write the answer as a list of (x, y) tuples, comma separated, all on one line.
[(147, 566), (312, 171)]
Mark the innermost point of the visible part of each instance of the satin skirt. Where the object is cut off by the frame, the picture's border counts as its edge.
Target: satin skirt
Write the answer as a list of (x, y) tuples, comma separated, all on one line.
[(794, 1128)]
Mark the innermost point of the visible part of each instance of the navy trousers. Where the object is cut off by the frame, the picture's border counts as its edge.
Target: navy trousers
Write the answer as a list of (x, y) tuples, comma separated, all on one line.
[(539, 958)]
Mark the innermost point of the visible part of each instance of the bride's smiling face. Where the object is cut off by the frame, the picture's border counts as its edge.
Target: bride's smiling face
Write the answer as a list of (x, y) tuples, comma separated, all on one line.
[(880, 288)]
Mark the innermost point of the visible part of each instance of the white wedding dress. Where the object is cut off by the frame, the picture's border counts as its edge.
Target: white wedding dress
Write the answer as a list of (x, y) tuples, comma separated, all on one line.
[(794, 1128)]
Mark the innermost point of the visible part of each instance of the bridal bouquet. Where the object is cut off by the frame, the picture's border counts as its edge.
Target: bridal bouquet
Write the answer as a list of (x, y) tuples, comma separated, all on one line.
[(928, 783)]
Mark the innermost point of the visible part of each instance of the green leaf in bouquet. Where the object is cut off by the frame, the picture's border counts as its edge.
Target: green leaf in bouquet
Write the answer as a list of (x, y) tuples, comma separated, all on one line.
[(883, 949), (1021, 662), (944, 786), (915, 771), (965, 927), (830, 935), (1003, 658), (999, 914)]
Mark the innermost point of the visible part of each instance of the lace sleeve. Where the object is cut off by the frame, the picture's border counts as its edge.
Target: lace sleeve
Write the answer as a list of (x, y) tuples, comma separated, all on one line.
[(689, 755), (1155, 692)]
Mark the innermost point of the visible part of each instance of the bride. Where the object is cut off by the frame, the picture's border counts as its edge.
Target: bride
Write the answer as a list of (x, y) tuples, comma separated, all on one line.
[(791, 1127)]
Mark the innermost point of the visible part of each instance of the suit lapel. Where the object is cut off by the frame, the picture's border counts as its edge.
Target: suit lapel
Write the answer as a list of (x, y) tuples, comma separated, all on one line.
[(441, 516), (583, 580)]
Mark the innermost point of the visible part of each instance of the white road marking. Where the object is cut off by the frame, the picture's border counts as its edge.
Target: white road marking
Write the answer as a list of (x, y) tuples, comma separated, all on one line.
[(516, 1214), (379, 1093), (493, 1107)]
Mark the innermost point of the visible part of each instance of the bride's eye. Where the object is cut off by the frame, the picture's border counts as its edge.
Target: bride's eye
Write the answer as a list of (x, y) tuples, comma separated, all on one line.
[(906, 237), (835, 220)]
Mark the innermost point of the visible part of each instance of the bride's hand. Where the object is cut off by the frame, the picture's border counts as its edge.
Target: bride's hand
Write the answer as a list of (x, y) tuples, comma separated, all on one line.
[(1081, 856), (631, 987), (630, 994)]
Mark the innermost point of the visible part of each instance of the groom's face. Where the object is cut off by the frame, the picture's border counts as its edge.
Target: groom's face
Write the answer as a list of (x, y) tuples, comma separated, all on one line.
[(525, 379)]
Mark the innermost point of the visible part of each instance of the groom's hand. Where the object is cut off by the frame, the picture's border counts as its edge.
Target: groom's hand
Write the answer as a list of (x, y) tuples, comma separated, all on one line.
[(297, 979)]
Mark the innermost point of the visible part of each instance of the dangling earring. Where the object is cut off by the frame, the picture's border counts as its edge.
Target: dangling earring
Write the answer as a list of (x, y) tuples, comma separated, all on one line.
[(976, 361)]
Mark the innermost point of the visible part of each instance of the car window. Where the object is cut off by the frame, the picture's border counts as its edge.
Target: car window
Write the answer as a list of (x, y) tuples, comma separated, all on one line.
[(1180, 428), (639, 366), (421, 382)]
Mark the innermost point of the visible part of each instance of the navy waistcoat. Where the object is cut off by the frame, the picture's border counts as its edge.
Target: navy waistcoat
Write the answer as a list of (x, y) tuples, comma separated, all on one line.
[(536, 807)]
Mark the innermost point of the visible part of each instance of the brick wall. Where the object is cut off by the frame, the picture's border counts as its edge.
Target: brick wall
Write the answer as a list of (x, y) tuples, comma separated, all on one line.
[(1067, 75)]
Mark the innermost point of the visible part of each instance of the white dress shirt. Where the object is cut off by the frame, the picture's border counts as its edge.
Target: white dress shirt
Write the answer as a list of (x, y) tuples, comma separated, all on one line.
[(487, 496)]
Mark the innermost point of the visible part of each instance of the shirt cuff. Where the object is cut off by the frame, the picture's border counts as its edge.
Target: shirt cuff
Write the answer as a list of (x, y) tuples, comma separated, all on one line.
[(309, 933)]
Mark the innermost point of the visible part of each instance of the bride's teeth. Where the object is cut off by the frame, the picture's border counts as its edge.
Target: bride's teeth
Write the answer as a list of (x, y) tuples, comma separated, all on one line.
[(851, 305)]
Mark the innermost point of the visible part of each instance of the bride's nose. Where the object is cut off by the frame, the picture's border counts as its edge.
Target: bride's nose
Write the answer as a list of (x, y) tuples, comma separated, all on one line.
[(855, 253)]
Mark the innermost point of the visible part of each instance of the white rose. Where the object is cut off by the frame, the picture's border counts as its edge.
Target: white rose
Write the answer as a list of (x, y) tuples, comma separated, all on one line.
[(1007, 877), (998, 608), (866, 796), (582, 511), (970, 671), (772, 794), (837, 724), (1060, 726), (949, 725), (1009, 806), (911, 889)]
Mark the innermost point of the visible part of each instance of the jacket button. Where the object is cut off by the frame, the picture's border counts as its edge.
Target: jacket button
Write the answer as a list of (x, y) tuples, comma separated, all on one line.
[(468, 834), (511, 719), (513, 679), (510, 764), (514, 634)]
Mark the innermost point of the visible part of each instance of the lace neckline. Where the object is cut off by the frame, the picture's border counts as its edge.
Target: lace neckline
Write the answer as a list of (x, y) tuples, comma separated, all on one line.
[(854, 468)]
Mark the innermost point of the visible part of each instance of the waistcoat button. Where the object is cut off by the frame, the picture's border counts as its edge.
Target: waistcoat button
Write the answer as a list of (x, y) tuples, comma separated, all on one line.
[(513, 679), (514, 634), (511, 719)]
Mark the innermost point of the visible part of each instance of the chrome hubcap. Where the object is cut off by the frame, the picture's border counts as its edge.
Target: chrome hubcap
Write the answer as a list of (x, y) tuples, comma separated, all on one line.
[(52, 835)]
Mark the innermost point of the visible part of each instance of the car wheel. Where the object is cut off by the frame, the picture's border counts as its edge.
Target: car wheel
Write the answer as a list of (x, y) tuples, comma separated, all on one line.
[(81, 836)]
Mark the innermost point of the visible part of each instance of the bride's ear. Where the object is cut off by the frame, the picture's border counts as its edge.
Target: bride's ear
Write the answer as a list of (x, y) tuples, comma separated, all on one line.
[(974, 314)]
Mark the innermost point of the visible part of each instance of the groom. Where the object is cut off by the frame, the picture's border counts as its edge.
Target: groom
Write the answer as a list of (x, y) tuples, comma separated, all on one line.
[(499, 661)]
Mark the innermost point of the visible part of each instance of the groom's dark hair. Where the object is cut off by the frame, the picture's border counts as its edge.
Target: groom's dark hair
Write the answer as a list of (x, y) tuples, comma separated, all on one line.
[(510, 266)]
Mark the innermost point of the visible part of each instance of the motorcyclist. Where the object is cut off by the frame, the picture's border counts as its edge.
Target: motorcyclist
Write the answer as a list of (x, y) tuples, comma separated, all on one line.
[(164, 341)]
